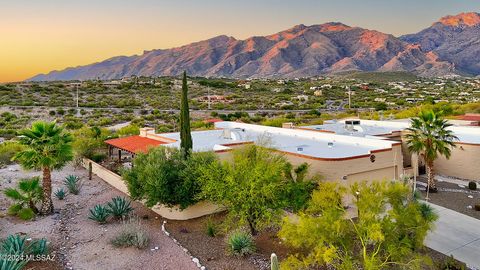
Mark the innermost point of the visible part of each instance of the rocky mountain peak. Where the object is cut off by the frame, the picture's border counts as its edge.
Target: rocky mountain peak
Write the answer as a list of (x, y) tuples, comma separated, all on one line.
[(463, 19)]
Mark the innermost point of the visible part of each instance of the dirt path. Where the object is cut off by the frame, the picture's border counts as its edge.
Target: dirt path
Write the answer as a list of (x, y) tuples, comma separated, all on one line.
[(80, 243)]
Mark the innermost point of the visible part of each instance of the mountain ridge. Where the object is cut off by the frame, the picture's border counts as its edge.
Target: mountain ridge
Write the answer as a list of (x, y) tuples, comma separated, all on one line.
[(302, 51)]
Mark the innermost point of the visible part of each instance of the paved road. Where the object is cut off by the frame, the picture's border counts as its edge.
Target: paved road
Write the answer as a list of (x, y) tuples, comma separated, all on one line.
[(456, 234)]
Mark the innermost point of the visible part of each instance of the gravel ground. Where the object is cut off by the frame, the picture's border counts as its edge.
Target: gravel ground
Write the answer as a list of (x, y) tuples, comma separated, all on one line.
[(454, 197), (80, 243), (212, 251)]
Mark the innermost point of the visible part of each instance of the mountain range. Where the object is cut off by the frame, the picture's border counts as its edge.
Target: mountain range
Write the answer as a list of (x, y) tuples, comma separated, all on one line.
[(449, 46)]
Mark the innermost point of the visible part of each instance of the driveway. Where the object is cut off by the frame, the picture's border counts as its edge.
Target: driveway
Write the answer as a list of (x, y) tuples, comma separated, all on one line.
[(456, 234)]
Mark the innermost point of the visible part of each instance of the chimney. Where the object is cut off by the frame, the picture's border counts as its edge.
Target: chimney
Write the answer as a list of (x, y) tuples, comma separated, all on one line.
[(146, 130), (288, 125)]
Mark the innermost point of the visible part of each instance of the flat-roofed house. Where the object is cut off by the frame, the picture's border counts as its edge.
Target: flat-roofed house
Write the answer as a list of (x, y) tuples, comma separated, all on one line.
[(335, 157), (463, 163)]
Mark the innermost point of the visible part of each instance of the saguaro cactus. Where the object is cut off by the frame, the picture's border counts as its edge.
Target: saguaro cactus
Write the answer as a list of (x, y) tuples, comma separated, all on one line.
[(274, 262)]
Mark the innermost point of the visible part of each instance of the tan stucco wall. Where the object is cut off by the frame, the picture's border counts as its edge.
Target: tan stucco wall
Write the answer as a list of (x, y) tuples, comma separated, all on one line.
[(115, 180), (464, 162), (356, 169)]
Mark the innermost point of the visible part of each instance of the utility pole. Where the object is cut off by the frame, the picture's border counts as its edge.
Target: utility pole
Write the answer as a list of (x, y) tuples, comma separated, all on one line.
[(349, 97), (78, 111), (208, 96)]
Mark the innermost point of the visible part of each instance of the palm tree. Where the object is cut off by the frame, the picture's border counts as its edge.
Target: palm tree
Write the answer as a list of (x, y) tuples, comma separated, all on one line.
[(430, 137), (47, 147)]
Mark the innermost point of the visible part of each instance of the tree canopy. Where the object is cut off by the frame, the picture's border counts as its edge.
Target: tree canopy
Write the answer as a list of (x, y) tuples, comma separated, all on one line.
[(255, 187), (163, 176), (430, 136), (387, 233), (185, 134), (47, 147)]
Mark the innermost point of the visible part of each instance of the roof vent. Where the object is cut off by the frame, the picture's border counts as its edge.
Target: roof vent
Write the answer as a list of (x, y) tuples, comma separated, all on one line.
[(299, 149), (330, 144)]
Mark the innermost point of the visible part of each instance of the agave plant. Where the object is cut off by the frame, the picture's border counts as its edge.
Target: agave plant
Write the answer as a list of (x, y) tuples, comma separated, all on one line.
[(119, 207), (18, 245), (73, 184), (60, 193), (11, 264), (38, 247), (240, 243), (14, 244), (28, 194), (99, 213)]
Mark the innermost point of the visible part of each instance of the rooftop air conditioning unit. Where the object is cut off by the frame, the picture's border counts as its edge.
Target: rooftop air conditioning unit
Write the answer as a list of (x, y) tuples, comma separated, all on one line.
[(227, 134)]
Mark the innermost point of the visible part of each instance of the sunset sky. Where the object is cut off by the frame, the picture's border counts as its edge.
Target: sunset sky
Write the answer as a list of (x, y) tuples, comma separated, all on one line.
[(38, 36)]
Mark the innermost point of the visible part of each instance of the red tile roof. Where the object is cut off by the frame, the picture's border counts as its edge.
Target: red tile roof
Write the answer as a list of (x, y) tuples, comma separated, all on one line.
[(214, 120), (470, 117), (134, 144)]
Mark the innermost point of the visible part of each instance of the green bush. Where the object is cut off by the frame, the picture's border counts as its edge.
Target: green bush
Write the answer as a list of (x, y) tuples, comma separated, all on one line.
[(98, 157), (119, 207), (472, 185), (240, 243), (99, 213), (164, 176), (73, 184), (211, 228), (131, 234), (60, 193), (7, 151), (25, 197)]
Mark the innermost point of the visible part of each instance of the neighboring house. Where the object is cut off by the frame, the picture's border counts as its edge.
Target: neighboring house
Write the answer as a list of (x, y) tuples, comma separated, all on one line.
[(462, 164), (214, 99)]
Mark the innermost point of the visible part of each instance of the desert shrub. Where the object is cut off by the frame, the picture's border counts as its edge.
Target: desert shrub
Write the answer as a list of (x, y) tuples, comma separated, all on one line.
[(60, 193), (73, 184), (255, 187), (25, 197), (131, 234), (119, 207), (376, 239), (472, 185), (88, 141), (477, 207), (297, 194), (128, 130), (164, 176), (211, 228), (450, 264), (98, 157), (7, 151), (240, 243), (99, 213)]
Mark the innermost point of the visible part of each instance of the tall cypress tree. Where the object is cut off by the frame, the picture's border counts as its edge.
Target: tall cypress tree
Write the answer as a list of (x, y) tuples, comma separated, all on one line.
[(185, 133)]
